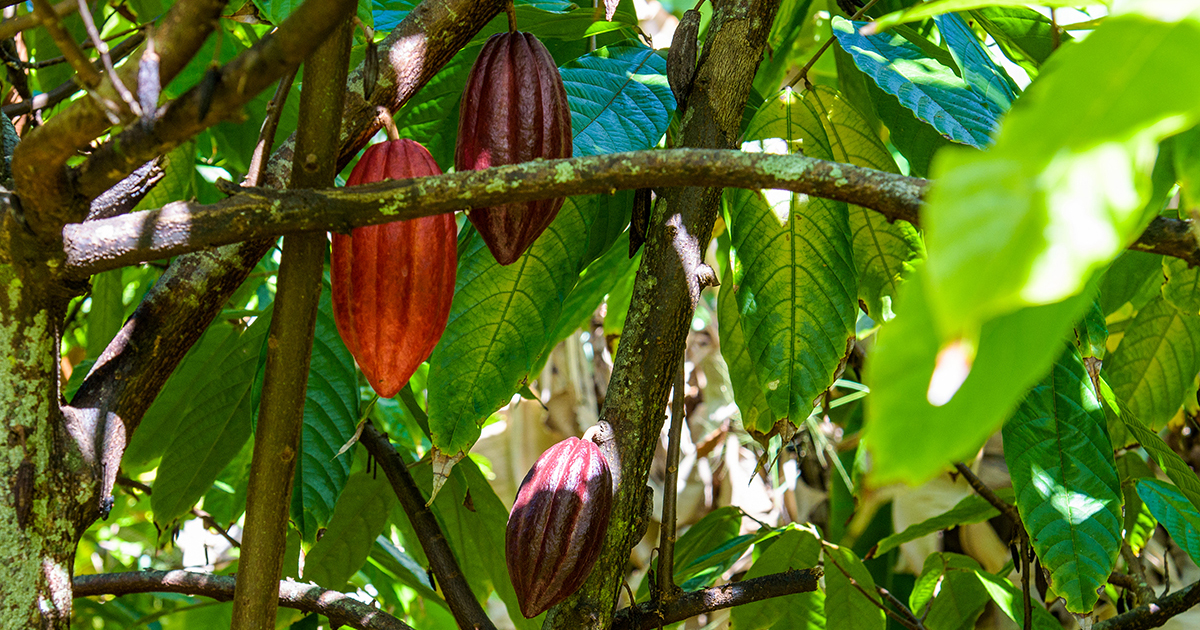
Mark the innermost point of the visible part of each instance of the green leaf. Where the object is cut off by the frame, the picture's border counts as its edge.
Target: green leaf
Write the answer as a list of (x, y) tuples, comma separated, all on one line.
[(620, 99), (360, 516), (1068, 490), (1175, 512), (226, 499), (1015, 350), (1134, 277), (884, 251), (404, 568), (796, 547), (952, 592), (971, 509), (1024, 35), (1187, 166), (1171, 463), (927, 87), (166, 414), (1139, 523), (978, 69), (330, 419), (793, 269), (1011, 601), (1182, 288), (1156, 362), (750, 397), (107, 311), (213, 426), (502, 316), (1064, 190), (619, 298), (851, 602), (937, 7), (1091, 333)]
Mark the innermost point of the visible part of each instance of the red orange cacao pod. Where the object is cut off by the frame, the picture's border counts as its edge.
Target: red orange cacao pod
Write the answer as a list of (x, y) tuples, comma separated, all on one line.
[(393, 283), (558, 523), (514, 109)]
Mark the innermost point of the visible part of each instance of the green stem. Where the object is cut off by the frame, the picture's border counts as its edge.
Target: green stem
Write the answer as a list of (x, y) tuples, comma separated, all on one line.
[(289, 346)]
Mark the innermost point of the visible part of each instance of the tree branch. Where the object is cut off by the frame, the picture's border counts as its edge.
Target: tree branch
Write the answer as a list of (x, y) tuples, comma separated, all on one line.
[(39, 163), (459, 597), (88, 75), (665, 293), (69, 87), (187, 226), (645, 616), (9, 28), (240, 81), (340, 608), (1154, 614)]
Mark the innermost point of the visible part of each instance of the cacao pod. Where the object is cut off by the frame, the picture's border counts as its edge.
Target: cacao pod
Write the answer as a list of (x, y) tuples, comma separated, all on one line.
[(514, 109), (558, 523), (393, 283)]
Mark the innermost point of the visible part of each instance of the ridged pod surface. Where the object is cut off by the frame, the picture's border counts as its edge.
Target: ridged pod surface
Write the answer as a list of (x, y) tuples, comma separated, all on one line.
[(557, 524), (393, 283), (514, 109)]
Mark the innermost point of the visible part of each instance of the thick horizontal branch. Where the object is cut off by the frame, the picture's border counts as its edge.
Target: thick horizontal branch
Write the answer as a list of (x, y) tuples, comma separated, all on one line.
[(340, 608), (1154, 614), (187, 226), (644, 616)]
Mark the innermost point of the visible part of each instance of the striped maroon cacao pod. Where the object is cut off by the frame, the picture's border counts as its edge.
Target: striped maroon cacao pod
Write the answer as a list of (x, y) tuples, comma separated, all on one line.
[(558, 523), (393, 283), (514, 109)]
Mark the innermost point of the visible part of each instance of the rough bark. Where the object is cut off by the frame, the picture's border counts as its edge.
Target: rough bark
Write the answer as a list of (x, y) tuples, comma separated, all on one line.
[(665, 293)]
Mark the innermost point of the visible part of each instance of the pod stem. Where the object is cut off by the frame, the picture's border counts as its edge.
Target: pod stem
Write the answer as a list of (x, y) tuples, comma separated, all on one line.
[(389, 124), (512, 16)]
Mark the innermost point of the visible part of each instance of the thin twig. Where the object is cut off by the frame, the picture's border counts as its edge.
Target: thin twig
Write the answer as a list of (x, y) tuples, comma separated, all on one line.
[(211, 523), (102, 48), (87, 75), (900, 607), (667, 589), (911, 625), (70, 87), (984, 491), (1143, 592), (1026, 596), (266, 135), (9, 28)]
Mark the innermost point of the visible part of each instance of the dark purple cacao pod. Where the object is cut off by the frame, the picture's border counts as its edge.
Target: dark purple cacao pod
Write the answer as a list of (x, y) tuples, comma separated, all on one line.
[(393, 283), (514, 109), (558, 523)]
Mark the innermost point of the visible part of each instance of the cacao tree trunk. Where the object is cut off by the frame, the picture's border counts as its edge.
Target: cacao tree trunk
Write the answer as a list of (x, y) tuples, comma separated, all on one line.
[(44, 491)]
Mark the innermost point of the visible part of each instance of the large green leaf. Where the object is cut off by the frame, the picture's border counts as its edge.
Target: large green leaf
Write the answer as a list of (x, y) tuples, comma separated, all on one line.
[(1065, 189), (330, 419), (925, 10), (1167, 459), (107, 311), (883, 250), (750, 397), (793, 269), (502, 316), (1068, 489), (1156, 362), (164, 417), (1139, 524), (213, 425), (978, 69), (1134, 277), (971, 509), (360, 516), (1175, 512), (924, 85), (1015, 351), (1024, 35), (949, 591), (795, 548), (851, 602)]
